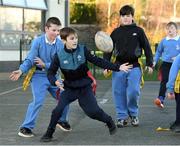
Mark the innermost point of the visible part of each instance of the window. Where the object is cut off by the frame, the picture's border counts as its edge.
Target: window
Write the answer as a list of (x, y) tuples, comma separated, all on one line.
[(20, 3), (32, 20), (37, 4), (13, 26), (33, 4), (11, 19)]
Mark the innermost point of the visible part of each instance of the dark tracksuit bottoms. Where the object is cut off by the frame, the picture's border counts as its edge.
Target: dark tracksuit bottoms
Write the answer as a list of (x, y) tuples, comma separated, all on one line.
[(87, 102), (177, 98), (165, 68)]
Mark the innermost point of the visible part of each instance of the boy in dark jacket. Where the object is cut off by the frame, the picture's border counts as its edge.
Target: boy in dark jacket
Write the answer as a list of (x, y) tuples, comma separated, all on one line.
[(72, 60), (128, 41)]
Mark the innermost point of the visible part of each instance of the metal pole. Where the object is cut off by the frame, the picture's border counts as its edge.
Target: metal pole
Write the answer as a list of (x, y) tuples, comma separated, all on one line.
[(20, 54)]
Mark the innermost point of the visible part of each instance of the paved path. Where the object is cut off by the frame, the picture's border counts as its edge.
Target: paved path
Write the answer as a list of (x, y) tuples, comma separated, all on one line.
[(13, 104)]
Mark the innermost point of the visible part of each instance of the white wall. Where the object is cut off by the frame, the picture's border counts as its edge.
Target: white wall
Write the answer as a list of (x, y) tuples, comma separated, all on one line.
[(12, 55), (56, 10)]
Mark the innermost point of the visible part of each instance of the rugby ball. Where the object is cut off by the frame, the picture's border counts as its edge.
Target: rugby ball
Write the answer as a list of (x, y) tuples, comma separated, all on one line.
[(103, 41)]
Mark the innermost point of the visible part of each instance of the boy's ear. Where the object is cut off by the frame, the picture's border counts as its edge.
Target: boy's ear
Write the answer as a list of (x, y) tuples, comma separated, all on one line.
[(46, 28)]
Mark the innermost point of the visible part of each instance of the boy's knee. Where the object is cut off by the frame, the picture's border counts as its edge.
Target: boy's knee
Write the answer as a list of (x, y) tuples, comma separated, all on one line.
[(94, 113), (133, 93), (57, 111)]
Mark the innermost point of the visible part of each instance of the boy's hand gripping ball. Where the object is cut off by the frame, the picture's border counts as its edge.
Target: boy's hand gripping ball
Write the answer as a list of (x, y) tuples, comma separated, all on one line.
[(103, 42)]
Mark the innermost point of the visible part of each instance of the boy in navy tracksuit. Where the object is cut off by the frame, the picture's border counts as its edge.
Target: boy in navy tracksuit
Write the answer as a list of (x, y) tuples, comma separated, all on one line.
[(168, 49), (41, 53), (128, 40), (72, 60), (173, 91)]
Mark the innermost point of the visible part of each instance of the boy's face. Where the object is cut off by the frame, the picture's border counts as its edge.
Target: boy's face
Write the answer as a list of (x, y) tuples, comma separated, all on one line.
[(171, 30), (52, 31), (71, 41), (126, 19)]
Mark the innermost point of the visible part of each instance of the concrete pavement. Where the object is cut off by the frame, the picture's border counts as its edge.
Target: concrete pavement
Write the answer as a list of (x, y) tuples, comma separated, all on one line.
[(14, 101)]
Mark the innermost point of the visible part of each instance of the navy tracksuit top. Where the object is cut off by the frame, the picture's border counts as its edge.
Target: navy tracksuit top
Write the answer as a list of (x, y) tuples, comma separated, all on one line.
[(73, 65)]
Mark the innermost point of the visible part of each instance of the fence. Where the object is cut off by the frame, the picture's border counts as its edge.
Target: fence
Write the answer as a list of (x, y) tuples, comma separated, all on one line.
[(97, 71), (24, 49)]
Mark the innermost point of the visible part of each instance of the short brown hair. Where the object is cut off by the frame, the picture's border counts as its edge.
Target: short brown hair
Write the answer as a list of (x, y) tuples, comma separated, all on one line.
[(66, 31), (53, 20), (172, 23), (126, 10)]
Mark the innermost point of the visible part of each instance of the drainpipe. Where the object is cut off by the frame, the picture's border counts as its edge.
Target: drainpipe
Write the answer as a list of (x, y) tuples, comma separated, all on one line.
[(66, 13)]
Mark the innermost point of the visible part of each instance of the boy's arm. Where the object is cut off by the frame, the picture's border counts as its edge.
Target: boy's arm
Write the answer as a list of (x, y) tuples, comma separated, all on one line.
[(173, 74), (158, 53), (144, 43), (29, 60), (99, 61), (51, 74), (106, 64)]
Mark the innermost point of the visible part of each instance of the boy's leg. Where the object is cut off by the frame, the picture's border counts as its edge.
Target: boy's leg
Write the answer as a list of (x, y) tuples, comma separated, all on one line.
[(67, 97), (119, 87), (88, 103), (133, 94), (38, 86), (63, 120), (159, 101)]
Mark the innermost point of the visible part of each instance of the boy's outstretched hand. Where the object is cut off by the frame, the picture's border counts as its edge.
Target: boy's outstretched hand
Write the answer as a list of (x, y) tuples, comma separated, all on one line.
[(15, 75), (125, 67), (170, 96)]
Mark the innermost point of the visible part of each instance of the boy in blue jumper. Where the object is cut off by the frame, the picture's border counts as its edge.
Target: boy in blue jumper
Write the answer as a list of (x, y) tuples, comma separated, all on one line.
[(72, 60), (41, 53), (129, 40), (174, 82), (168, 49)]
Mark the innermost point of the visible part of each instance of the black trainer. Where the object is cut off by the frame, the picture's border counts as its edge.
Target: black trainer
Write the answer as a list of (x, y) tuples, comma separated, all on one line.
[(25, 132), (112, 127), (175, 127), (47, 137), (65, 126), (134, 121), (122, 123)]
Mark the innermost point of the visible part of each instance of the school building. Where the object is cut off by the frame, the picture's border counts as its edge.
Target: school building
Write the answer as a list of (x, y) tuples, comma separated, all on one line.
[(23, 20)]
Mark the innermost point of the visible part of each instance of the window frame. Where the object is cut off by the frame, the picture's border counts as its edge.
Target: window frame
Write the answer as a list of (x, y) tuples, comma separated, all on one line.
[(25, 4)]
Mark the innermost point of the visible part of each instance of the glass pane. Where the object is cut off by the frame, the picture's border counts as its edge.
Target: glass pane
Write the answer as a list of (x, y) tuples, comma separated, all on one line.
[(32, 20), (11, 18), (9, 40), (38, 4), (20, 3)]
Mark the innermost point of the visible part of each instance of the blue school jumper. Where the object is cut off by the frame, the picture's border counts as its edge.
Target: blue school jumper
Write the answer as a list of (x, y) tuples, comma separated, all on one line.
[(167, 49), (40, 83)]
